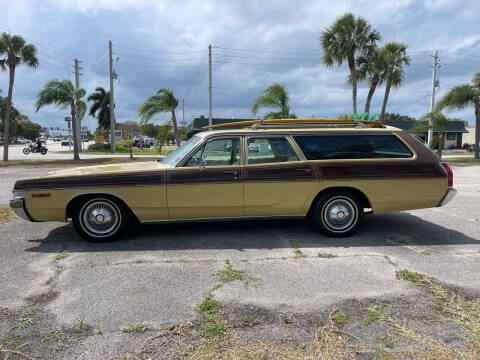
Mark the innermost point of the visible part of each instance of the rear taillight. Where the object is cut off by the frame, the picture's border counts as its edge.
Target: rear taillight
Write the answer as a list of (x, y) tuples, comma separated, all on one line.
[(449, 173)]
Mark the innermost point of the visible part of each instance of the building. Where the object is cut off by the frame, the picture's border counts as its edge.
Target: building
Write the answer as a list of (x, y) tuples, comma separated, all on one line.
[(453, 135), (469, 137), (197, 125)]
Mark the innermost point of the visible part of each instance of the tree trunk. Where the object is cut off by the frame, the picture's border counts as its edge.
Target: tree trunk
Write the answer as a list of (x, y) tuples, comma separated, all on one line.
[(440, 143), (385, 98), (175, 128), (74, 130), (6, 122), (477, 129), (353, 75), (373, 87)]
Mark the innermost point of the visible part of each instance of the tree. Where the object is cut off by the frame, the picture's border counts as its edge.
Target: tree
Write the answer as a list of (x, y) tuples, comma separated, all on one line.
[(371, 67), (62, 94), (439, 122), (162, 101), (15, 51), (150, 130), (347, 37), (459, 97), (274, 97), (100, 107), (396, 58)]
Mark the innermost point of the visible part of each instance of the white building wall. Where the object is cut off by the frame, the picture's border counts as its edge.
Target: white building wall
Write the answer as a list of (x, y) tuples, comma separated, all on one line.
[(470, 136)]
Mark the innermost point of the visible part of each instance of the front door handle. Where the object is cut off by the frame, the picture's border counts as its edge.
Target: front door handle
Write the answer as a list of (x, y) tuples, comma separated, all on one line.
[(306, 170)]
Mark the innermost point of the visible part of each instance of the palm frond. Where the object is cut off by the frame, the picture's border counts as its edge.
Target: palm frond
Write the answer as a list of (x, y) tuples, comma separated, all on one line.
[(458, 97)]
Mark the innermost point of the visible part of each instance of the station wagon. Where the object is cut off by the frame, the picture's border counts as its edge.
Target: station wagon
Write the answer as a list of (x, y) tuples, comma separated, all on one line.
[(333, 172)]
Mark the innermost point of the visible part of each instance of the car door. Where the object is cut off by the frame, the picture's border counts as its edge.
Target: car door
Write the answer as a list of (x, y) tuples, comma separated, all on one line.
[(210, 183), (277, 182)]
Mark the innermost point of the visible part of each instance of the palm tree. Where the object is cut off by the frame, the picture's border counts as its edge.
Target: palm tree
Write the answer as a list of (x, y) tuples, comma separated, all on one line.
[(15, 51), (347, 37), (162, 101), (396, 58), (63, 94), (100, 107), (371, 67), (439, 122), (462, 95), (274, 97)]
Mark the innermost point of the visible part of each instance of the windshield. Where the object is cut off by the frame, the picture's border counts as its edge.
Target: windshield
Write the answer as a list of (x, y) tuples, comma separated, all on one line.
[(175, 156)]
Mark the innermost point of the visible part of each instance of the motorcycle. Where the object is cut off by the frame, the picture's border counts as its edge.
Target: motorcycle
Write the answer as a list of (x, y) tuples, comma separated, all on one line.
[(35, 149)]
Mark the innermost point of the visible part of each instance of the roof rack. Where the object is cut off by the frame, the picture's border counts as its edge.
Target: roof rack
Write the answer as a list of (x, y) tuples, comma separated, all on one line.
[(296, 123)]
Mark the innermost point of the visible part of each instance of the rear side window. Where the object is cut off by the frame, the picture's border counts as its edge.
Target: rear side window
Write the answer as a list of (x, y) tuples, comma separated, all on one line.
[(352, 147)]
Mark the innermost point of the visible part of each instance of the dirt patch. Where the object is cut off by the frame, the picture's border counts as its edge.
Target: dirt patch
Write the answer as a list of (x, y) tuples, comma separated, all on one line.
[(7, 215)]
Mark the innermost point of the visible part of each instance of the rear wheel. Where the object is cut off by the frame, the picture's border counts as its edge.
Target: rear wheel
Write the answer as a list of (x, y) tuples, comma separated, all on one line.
[(337, 214), (26, 151), (100, 219)]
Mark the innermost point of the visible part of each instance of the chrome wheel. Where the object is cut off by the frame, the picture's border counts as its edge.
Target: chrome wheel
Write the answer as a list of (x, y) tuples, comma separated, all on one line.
[(339, 214), (100, 217)]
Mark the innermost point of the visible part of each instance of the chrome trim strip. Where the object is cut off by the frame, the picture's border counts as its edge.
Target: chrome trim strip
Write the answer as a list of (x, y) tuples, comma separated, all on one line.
[(221, 219), (449, 195)]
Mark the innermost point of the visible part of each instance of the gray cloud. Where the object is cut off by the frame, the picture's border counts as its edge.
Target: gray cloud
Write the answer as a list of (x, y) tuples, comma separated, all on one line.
[(174, 38)]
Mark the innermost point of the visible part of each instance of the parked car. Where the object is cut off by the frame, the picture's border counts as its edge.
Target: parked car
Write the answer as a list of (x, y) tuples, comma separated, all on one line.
[(67, 143), (23, 141), (333, 172), (1, 141)]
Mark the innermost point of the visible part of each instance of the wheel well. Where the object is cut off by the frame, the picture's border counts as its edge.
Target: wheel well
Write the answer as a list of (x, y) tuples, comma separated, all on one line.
[(80, 198), (360, 195)]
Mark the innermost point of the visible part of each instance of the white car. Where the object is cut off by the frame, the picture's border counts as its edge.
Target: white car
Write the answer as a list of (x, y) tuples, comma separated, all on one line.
[(23, 141)]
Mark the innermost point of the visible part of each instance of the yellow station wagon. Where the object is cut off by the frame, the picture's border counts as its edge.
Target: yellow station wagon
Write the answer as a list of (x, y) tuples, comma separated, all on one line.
[(333, 171)]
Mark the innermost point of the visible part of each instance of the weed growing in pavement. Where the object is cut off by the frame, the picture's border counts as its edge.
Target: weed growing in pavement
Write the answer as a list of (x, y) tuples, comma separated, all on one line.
[(208, 305), (340, 318), (62, 255), (296, 249), (7, 339), (22, 323), (287, 319), (80, 323), (413, 277), (213, 327), (326, 255), (425, 252), (230, 274), (136, 328), (7, 215)]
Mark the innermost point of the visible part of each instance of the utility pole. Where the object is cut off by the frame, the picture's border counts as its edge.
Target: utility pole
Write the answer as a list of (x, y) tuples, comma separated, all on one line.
[(210, 87), (432, 98), (112, 106), (78, 120)]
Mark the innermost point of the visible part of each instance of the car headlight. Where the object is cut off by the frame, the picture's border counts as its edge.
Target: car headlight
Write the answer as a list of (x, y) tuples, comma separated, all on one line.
[(18, 194)]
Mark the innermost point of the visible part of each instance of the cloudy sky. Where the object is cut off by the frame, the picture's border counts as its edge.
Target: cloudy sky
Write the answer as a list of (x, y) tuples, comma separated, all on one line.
[(160, 44)]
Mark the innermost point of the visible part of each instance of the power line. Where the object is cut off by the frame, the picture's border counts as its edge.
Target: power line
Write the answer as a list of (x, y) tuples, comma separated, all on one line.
[(160, 52), (158, 59), (270, 52), (157, 66)]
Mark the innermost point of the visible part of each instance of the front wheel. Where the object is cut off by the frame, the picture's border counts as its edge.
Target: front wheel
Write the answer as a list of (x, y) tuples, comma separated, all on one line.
[(44, 152), (337, 214), (26, 151), (100, 219)]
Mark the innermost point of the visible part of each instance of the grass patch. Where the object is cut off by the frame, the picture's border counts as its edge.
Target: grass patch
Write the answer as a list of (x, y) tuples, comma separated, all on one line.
[(7, 215), (326, 255), (213, 327), (62, 255), (463, 161), (340, 318), (208, 305), (425, 252), (136, 328), (413, 277), (230, 274), (22, 323)]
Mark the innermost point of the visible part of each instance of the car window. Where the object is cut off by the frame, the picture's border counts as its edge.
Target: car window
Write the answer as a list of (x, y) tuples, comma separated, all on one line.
[(269, 150), (352, 147), (217, 152)]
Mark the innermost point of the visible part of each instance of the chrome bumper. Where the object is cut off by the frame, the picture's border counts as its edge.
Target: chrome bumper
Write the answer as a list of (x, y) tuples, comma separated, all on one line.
[(18, 207), (450, 194)]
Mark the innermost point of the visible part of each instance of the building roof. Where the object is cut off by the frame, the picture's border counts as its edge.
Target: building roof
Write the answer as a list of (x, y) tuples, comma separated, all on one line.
[(456, 126)]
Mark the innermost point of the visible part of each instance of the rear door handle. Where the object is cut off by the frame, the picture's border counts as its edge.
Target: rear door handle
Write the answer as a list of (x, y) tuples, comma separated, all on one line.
[(234, 172)]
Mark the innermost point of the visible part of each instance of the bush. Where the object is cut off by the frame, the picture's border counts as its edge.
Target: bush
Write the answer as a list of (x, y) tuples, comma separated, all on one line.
[(98, 147), (434, 142)]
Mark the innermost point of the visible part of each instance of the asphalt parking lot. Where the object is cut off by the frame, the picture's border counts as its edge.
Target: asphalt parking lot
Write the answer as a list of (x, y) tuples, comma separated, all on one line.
[(158, 275)]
